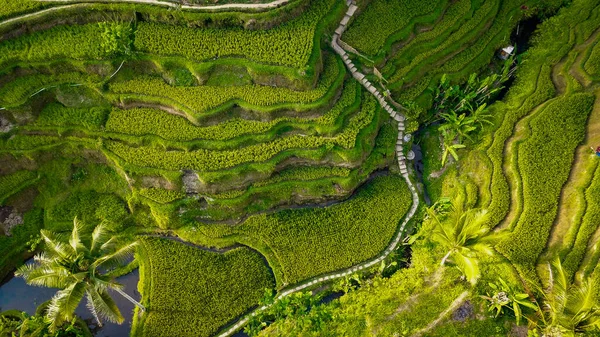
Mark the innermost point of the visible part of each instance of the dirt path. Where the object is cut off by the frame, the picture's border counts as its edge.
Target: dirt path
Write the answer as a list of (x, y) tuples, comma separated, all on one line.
[(453, 306), (80, 4), (260, 6)]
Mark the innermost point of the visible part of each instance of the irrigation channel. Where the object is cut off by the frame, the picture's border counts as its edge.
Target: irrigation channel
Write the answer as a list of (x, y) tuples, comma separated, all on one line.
[(16, 294)]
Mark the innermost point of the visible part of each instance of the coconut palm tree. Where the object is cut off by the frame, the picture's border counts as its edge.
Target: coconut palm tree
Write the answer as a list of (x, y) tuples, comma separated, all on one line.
[(464, 234), (80, 264), (568, 308)]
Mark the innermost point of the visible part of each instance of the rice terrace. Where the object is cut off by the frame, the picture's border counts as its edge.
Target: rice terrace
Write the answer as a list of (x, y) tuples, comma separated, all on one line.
[(334, 168)]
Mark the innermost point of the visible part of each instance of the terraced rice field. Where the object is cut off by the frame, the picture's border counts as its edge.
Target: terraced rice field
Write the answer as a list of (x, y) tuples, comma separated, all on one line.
[(270, 144)]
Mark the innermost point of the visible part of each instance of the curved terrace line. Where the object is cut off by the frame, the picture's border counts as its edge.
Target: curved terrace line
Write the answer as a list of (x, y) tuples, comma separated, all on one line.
[(401, 163), (261, 6)]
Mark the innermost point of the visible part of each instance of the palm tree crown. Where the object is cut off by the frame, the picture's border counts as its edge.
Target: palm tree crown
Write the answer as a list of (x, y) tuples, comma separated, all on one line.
[(463, 234), (79, 264)]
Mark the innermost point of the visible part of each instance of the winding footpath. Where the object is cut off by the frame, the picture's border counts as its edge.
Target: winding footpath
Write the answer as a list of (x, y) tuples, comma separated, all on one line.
[(76, 4), (260, 6), (401, 163)]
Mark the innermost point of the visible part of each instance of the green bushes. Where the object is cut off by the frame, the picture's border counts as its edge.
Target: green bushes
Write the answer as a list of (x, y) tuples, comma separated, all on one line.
[(289, 44), (390, 16), (206, 290), (309, 242), (12, 183), (90, 207), (204, 98), (544, 161)]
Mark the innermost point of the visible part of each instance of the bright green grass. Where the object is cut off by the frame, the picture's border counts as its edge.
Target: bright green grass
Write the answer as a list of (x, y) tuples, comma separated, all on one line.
[(390, 15), (544, 161)]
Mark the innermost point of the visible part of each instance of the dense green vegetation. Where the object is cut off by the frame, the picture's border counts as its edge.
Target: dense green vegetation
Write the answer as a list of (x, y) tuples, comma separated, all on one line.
[(289, 44), (205, 289), (246, 135), (332, 238)]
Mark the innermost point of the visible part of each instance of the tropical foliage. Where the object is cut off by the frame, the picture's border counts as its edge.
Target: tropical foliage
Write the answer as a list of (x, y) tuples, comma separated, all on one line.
[(464, 234), (79, 265)]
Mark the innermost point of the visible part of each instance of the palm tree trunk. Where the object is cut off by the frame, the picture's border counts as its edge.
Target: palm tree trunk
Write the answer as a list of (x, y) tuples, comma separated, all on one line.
[(445, 258), (130, 299)]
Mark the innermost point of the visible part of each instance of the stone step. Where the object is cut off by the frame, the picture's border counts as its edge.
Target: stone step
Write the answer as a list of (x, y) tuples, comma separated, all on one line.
[(352, 9)]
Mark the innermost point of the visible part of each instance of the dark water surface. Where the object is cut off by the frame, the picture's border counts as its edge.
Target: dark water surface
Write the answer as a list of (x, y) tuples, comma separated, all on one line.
[(16, 294)]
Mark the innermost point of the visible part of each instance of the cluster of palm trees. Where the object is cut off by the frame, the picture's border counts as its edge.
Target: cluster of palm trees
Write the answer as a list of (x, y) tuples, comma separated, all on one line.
[(565, 308), (80, 264)]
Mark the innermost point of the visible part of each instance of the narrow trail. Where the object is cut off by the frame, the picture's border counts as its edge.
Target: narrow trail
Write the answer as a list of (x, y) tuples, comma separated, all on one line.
[(79, 4), (453, 306), (401, 163), (260, 6), (433, 283)]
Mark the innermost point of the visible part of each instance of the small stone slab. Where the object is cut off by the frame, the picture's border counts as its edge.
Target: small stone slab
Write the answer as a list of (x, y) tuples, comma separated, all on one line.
[(351, 10), (345, 20)]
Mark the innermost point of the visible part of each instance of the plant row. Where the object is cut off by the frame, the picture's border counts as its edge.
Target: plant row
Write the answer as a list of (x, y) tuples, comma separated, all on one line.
[(289, 44), (146, 121), (309, 242), (207, 160), (202, 99), (545, 160), (390, 16), (206, 290), (533, 86)]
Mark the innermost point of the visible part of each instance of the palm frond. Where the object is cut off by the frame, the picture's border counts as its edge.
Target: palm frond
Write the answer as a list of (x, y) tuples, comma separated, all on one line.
[(105, 306), (63, 304), (75, 239), (117, 258), (468, 266), (50, 275), (55, 246), (99, 237)]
